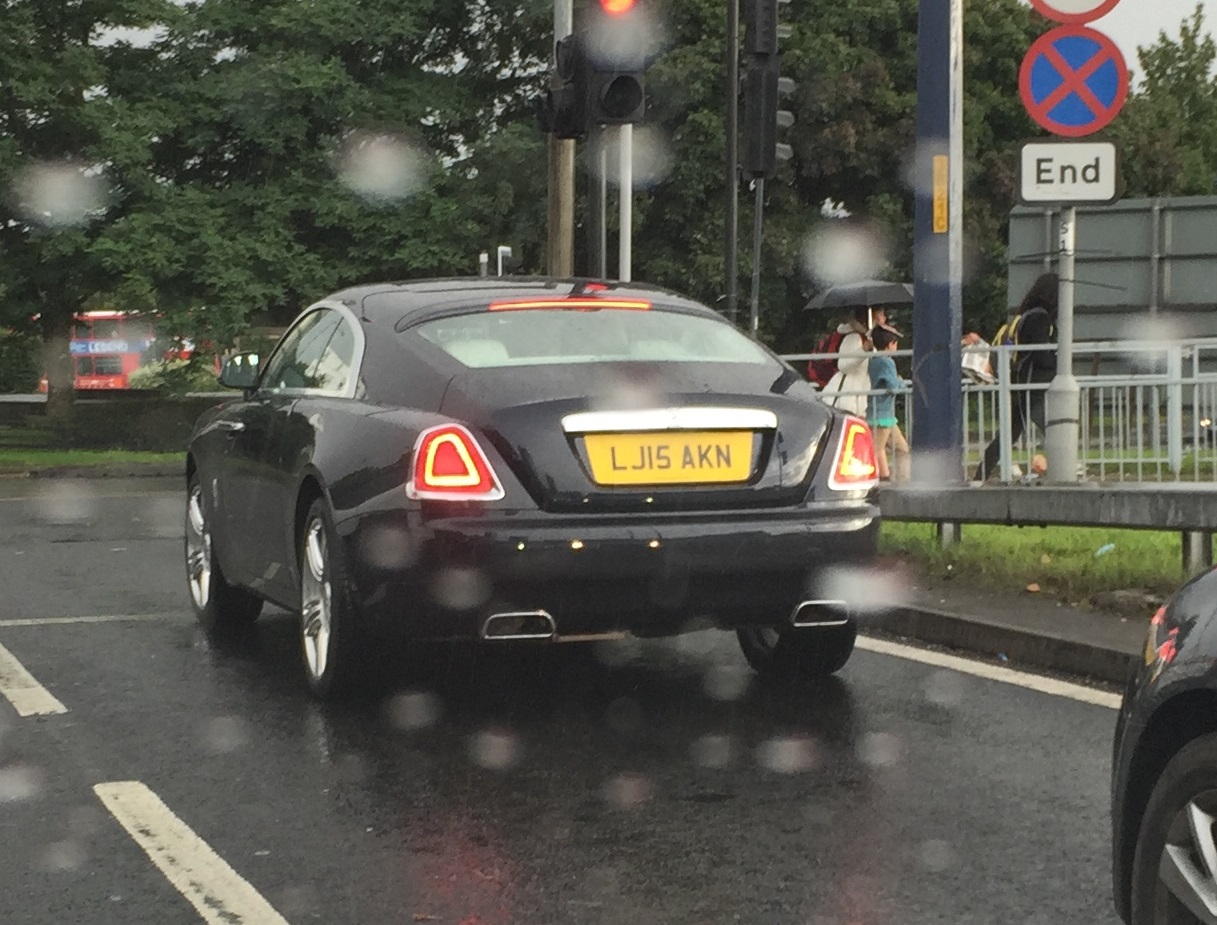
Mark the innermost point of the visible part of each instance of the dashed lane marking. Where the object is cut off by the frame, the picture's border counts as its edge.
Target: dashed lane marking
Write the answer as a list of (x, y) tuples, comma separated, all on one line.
[(103, 618), (28, 697), (218, 893), (1035, 682)]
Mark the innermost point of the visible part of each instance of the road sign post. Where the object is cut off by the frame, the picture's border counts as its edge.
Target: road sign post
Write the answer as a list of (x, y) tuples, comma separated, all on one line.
[(1073, 82)]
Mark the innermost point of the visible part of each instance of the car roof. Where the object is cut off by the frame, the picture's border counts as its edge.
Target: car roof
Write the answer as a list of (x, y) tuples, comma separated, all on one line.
[(390, 304)]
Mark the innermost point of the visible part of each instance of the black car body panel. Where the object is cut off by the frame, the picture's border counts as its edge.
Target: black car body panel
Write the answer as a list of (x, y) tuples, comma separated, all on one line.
[(647, 558), (1170, 699)]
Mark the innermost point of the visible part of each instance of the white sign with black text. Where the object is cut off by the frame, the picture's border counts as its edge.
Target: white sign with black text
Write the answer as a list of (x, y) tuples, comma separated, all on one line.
[(1070, 172)]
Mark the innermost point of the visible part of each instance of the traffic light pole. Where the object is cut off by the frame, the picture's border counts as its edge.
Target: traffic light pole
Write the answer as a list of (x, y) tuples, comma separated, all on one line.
[(599, 206), (731, 255), (560, 245), (758, 230), (937, 419), (625, 194)]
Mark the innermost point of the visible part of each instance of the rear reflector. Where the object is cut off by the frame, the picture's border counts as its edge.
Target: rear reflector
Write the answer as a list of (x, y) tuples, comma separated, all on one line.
[(579, 304), (856, 466), (450, 466)]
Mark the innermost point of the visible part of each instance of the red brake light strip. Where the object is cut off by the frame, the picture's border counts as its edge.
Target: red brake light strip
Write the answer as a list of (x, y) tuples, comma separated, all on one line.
[(630, 305)]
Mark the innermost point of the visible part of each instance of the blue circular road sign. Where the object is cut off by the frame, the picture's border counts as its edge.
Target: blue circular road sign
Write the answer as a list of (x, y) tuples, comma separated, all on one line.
[(1073, 81)]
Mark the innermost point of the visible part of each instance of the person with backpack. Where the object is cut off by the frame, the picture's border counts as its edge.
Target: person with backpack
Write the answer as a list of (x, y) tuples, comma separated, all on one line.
[(1033, 323), (851, 374)]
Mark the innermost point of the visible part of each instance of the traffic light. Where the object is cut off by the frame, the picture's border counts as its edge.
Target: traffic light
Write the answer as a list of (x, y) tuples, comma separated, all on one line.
[(763, 89), (616, 40), (600, 70), (562, 110)]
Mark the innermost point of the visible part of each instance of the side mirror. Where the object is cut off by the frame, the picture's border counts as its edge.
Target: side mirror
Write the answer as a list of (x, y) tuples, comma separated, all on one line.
[(240, 371)]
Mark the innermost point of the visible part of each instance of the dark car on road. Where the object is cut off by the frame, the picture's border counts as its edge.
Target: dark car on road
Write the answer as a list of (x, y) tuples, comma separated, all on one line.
[(1164, 788), (526, 459)]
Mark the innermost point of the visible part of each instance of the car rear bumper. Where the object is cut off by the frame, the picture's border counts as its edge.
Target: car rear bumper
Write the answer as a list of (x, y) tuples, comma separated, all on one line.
[(443, 579)]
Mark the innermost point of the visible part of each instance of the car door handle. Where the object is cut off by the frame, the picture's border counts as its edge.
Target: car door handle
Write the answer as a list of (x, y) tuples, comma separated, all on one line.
[(232, 427)]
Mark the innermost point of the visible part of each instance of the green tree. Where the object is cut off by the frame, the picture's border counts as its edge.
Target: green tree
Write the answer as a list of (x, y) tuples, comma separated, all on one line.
[(1168, 129), (71, 145), (327, 142)]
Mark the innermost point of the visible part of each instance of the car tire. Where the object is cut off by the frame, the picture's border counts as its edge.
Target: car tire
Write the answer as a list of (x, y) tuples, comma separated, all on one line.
[(794, 652), (330, 646), (1187, 786), (221, 609)]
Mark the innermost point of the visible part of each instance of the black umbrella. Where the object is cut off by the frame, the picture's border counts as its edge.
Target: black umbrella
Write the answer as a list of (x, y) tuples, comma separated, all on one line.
[(868, 293)]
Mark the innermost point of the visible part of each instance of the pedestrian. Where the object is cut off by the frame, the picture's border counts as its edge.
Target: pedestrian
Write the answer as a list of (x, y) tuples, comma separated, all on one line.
[(1035, 324), (881, 405), (847, 388)]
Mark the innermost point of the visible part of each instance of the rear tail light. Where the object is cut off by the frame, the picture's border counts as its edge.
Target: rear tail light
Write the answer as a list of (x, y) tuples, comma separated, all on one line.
[(856, 466), (450, 466)]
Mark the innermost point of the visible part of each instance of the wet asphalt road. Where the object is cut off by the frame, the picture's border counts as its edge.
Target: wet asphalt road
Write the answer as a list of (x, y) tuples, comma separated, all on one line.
[(633, 782)]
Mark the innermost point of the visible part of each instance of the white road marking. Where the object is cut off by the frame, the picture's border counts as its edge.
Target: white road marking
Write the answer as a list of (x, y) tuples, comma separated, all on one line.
[(28, 697), (1044, 685), (104, 618), (218, 893)]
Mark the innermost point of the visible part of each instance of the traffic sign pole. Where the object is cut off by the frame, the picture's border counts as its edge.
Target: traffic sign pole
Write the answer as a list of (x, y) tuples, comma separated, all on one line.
[(1073, 82), (1063, 402)]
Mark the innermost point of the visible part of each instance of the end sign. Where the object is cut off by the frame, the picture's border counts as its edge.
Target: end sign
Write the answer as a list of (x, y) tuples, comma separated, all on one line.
[(1070, 172)]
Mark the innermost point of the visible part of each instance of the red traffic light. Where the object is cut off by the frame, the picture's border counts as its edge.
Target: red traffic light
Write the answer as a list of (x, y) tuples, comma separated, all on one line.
[(617, 7)]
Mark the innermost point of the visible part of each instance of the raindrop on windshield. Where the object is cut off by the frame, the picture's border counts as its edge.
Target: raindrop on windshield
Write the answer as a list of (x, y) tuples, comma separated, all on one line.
[(63, 856), (224, 734), (944, 689), (791, 755), (382, 167), (713, 751), (651, 158), (20, 782), (864, 590), (71, 501), (495, 749), (624, 716), (837, 253), (60, 194), (880, 749), (461, 588), (937, 855), (727, 682), (413, 710), (628, 790)]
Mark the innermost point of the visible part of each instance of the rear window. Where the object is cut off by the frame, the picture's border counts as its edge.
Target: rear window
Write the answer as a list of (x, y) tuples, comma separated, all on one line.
[(534, 337)]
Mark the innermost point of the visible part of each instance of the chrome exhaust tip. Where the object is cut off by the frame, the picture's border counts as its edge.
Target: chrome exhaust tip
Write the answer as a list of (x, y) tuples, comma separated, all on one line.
[(820, 613), (525, 624)]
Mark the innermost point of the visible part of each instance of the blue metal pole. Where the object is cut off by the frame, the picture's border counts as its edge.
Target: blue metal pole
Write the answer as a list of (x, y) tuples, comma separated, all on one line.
[(937, 432)]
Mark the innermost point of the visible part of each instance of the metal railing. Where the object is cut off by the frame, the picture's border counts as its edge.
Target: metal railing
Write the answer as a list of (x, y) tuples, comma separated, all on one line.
[(1148, 410)]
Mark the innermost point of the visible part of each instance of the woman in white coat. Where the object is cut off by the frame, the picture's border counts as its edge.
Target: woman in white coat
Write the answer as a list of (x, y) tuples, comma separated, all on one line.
[(853, 375)]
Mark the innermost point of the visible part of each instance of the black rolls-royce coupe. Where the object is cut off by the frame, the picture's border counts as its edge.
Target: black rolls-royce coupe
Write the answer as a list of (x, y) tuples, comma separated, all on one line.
[(526, 459)]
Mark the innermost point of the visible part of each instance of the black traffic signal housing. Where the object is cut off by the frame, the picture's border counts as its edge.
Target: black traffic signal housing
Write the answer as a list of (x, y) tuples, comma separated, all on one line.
[(615, 41), (562, 110), (763, 89)]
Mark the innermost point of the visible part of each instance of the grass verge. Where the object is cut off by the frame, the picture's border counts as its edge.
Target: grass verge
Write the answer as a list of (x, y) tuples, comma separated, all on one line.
[(1073, 563), (19, 459)]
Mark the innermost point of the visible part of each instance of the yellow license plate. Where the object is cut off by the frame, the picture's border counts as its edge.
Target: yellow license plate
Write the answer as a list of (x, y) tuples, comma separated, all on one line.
[(670, 458)]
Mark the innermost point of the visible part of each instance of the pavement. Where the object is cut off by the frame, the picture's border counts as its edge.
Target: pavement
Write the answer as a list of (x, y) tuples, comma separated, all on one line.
[(1017, 627), (1022, 629)]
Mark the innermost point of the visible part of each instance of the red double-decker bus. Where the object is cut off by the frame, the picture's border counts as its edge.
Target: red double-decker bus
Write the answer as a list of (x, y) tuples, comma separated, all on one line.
[(107, 346)]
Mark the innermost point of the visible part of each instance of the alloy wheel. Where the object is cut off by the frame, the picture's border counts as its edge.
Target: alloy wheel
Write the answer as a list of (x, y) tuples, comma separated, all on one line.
[(198, 549), (1187, 871), (316, 599)]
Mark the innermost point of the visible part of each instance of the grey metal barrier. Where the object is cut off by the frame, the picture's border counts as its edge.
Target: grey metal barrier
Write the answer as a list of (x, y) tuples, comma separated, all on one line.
[(1148, 410)]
